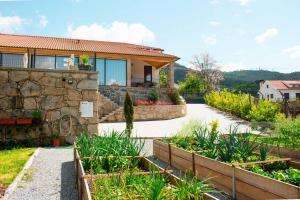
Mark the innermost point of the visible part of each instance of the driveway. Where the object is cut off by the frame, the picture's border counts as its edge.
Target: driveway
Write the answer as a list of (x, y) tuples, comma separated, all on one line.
[(167, 128)]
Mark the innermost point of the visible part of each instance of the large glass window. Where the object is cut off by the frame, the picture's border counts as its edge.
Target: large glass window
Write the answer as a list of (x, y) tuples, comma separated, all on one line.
[(45, 62), (12, 60), (62, 62), (115, 72), (100, 65)]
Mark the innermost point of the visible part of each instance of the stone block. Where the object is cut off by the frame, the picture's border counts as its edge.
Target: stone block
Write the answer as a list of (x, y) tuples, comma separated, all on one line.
[(70, 111), (79, 76), (53, 91), (30, 89), (87, 85), (18, 75), (73, 95), (73, 103), (51, 102), (36, 76), (3, 76), (47, 81), (93, 76), (30, 104), (9, 89), (89, 95), (52, 115)]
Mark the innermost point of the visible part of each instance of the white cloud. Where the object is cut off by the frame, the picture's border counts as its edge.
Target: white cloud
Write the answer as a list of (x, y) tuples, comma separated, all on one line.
[(117, 31), (10, 24), (232, 66), (43, 21), (214, 2), (210, 40), (245, 2), (292, 52), (268, 34), (215, 23)]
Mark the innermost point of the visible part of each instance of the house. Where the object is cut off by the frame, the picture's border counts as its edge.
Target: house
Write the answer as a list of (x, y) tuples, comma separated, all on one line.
[(122, 64), (277, 90), (121, 67)]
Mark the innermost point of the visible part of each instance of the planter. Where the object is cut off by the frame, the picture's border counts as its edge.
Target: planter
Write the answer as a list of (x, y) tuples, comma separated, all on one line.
[(7, 121), (84, 181), (37, 121), (24, 121), (85, 67), (56, 142), (233, 180)]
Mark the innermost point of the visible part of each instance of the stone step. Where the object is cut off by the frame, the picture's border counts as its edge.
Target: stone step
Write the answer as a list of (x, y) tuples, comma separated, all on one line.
[(102, 119)]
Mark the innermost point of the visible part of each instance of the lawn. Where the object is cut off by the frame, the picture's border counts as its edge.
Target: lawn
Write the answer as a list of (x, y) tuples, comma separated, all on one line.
[(12, 162)]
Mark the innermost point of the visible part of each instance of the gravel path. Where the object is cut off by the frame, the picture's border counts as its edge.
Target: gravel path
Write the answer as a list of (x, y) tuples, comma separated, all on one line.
[(167, 128), (50, 177)]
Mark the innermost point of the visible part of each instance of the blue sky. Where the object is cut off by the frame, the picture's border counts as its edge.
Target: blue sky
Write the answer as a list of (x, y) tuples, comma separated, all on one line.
[(240, 34)]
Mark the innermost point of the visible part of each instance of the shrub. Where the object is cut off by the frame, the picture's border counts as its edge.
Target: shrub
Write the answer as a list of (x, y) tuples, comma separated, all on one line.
[(128, 113), (242, 105), (173, 94), (288, 132), (153, 96), (264, 111)]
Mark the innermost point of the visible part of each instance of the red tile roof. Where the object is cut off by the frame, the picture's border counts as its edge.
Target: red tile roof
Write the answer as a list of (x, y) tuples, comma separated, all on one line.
[(54, 43), (284, 85)]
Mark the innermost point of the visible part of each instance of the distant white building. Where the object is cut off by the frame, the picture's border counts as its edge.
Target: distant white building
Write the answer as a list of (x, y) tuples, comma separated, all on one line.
[(276, 90)]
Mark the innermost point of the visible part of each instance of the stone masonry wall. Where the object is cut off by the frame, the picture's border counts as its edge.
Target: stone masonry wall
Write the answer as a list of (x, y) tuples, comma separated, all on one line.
[(152, 112), (54, 93)]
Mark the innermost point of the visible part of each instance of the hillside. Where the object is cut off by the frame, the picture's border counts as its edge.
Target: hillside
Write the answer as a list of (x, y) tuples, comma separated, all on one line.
[(244, 80)]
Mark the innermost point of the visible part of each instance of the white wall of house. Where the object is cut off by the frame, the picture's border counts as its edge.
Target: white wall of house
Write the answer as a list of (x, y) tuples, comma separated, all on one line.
[(267, 91), (137, 71)]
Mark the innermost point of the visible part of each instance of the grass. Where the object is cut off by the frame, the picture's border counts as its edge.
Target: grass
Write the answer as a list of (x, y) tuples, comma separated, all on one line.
[(12, 162)]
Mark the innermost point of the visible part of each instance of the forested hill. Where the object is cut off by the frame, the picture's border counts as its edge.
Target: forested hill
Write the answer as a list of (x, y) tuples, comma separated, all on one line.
[(244, 80)]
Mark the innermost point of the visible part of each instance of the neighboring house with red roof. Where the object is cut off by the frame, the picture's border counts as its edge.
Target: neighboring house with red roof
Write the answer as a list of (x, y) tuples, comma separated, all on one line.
[(118, 63), (277, 90)]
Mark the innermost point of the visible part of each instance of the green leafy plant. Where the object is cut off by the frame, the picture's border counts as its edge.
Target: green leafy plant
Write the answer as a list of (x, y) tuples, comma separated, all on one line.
[(154, 95), (128, 113), (36, 114), (174, 96), (85, 60)]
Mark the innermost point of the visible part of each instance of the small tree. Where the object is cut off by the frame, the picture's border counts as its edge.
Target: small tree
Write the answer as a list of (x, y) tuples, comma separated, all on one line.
[(128, 113)]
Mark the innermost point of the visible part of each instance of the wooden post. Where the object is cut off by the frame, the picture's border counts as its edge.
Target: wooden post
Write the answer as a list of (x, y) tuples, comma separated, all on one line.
[(233, 183), (193, 164), (170, 157)]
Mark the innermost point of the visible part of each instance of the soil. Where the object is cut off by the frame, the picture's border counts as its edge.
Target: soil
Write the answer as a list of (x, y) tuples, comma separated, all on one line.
[(2, 190)]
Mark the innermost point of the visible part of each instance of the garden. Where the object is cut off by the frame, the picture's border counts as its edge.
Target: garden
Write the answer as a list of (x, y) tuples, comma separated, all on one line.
[(237, 162), (110, 167)]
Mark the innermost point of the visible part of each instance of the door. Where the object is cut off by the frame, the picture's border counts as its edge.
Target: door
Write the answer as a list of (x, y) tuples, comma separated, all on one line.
[(148, 74)]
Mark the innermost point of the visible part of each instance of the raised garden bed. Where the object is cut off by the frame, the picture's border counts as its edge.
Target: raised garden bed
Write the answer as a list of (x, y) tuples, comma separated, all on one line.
[(92, 186), (230, 178), (100, 175)]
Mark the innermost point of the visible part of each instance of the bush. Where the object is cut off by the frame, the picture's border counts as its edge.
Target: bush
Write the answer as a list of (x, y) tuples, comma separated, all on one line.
[(264, 111), (173, 94), (242, 105), (153, 96), (288, 132), (128, 113)]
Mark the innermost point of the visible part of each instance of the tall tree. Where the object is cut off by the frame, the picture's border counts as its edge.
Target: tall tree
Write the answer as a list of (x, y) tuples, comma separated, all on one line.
[(128, 113), (206, 67)]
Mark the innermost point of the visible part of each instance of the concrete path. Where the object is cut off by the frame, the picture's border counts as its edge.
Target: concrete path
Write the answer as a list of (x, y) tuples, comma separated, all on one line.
[(51, 176), (166, 128)]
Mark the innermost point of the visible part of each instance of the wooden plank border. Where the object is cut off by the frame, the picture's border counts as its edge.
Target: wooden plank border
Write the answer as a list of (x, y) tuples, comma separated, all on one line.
[(237, 182)]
